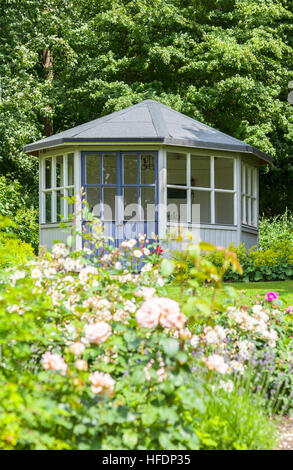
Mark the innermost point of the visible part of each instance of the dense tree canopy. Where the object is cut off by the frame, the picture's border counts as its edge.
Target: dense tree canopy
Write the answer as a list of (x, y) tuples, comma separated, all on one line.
[(223, 62)]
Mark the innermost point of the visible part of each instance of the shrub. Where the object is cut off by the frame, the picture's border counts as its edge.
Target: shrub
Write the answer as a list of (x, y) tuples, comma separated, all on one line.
[(13, 251), (272, 264), (80, 371), (256, 339), (275, 230), (92, 358), (16, 206)]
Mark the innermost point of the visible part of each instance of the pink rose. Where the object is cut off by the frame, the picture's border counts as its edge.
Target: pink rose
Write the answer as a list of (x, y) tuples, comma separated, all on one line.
[(77, 348), (148, 315), (102, 383), (270, 296), (97, 333), (170, 314), (173, 320), (52, 361), (160, 310)]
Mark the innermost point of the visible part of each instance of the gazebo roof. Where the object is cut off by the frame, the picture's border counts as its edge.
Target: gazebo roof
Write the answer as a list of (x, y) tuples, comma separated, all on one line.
[(148, 121)]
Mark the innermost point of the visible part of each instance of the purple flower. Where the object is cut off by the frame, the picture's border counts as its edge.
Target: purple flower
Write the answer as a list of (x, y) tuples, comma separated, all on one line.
[(270, 296)]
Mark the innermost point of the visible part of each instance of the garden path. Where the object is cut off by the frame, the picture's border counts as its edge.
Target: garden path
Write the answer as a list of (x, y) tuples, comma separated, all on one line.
[(286, 431)]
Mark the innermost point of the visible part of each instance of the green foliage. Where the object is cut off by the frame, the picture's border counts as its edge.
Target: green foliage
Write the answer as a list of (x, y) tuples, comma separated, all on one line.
[(276, 229), (202, 276), (224, 63), (235, 421), (14, 203), (13, 251), (274, 263), (216, 312), (81, 369)]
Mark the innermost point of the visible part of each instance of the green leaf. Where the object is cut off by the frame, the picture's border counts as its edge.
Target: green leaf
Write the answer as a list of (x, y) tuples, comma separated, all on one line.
[(165, 441), (70, 240), (194, 251), (149, 416), (79, 429), (170, 346), (138, 377), (130, 438), (167, 267)]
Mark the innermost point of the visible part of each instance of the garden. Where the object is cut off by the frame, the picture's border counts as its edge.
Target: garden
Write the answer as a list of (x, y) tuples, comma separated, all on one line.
[(124, 348), (136, 346)]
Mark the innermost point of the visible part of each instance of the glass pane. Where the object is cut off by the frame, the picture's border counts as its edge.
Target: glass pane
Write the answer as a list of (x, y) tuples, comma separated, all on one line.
[(48, 207), (243, 168), (224, 208), (224, 175), (92, 169), (254, 182), (70, 193), (203, 198), (131, 210), (70, 169), (253, 212), (176, 205), (176, 169), (93, 200), (59, 171), (60, 205), (248, 210), (48, 173), (130, 169), (109, 169), (200, 171), (109, 203), (147, 169), (244, 217), (147, 196), (249, 181)]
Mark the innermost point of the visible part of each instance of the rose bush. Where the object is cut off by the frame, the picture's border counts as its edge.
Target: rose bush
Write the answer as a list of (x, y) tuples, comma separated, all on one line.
[(255, 340), (92, 357)]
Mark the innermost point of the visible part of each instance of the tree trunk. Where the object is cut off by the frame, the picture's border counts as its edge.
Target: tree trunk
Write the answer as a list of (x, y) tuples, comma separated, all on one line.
[(49, 74)]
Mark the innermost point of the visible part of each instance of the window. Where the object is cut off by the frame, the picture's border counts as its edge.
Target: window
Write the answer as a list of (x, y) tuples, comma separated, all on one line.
[(204, 180), (249, 195), (58, 185), (108, 176)]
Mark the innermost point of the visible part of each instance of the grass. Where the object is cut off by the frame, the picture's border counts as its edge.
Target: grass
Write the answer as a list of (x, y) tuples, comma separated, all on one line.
[(251, 289), (248, 290)]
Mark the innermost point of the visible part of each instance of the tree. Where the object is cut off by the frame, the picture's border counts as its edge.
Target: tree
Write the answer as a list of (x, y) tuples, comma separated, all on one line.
[(225, 63)]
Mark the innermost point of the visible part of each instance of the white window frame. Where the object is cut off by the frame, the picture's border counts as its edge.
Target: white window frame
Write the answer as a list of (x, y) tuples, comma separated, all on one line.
[(64, 188), (248, 198), (212, 189)]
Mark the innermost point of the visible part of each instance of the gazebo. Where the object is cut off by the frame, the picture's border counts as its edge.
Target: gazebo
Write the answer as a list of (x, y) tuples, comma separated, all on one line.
[(144, 169)]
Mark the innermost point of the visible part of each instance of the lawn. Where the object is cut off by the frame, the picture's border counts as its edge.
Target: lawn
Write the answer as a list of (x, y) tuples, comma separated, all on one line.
[(247, 290), (251, 289)]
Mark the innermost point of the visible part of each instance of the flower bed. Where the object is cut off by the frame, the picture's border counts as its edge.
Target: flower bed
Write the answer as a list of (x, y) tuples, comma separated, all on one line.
[(93, 358)]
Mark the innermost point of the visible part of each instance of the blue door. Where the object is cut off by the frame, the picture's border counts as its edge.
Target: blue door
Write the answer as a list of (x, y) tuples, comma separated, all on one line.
[(122, 190)]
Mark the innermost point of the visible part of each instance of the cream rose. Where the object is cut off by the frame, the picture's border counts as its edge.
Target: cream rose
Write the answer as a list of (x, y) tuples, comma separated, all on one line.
[(97, 333), (102, 383), (148, 315)]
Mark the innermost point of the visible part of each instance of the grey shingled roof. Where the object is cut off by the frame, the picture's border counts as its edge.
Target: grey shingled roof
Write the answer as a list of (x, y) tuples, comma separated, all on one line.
[(148, 121)]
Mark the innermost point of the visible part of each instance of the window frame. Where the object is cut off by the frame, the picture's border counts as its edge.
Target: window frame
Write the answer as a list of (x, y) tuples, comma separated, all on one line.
[(212, 189), (249, 199), (54, 189)]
